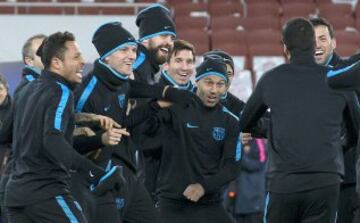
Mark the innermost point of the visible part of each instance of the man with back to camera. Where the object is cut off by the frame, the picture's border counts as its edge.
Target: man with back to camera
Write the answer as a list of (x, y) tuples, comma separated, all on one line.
[(325, 55), (304, 143), (200, 153), (37, 190)]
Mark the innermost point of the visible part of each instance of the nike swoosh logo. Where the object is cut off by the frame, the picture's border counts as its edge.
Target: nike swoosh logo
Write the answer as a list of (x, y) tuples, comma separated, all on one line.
[(190, 126), (107, 108)]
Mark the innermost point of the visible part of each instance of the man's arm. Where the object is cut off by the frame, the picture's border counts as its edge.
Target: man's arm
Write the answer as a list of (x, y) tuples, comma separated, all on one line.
[(253, 111), (351, 120), (345, 78)]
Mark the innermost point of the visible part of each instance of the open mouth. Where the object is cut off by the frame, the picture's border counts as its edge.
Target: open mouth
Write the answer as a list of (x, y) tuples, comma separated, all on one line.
[(319, 53), (164, 50)]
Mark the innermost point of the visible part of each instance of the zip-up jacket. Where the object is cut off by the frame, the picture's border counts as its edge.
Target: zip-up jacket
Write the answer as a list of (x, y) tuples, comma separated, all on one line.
[(42, 142), (201, 146), (305, 150)]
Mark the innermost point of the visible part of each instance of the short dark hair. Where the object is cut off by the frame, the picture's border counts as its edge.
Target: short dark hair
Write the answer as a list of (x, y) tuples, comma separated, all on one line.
[(26, 50), (181, 45), (4, 82), (298, 35), (319, 21), (54, 46)]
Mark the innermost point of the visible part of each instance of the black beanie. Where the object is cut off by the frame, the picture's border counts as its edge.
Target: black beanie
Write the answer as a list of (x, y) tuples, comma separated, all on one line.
[(153, 21), (110, 37), (219, 54), (211, 67)]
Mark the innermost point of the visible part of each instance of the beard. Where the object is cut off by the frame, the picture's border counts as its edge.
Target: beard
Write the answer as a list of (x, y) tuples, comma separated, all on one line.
[(155, 52)]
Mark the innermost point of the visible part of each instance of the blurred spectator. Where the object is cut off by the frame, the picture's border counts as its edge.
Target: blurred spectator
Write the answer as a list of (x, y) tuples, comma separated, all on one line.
[(245, 196), (5, 102)]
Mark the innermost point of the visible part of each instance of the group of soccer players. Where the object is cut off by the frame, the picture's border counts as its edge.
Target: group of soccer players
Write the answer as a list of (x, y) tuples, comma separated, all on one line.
[(136, 141)]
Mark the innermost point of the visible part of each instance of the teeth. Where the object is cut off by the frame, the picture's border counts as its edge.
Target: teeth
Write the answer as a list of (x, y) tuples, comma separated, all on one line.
[(164, 49), (318, 52)]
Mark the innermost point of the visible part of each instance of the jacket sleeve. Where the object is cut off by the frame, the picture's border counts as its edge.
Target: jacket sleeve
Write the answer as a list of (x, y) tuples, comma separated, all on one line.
[(344, 77), (351, 120), (55, 123), (253, 111), (229, 170), (142, 90)]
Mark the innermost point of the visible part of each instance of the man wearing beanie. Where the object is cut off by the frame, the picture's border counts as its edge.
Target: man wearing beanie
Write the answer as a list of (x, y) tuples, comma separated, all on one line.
[(234, 104), (304, 143), (106, 91), (200, 153), (156, 37)]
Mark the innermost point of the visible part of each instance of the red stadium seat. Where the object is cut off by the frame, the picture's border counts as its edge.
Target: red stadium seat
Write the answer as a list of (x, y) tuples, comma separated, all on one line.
[(335, 10), (268, 37), (188, 9), (298, 9), (183, 22), (226, 8), (199, 38), (260, 22), (263, 9), (343, 37), (346, 50), (232, 41), (224, 22)]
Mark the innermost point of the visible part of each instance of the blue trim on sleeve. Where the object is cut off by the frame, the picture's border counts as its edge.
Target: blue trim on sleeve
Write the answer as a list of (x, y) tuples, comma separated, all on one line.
[(29, 77), (226, 110), (108, 174), (238, 153), (86, 93), (61, 201), (332, 73), (61, 106), (267, 199), (157, 34), (212, 73), (139, 60), (108, 166)]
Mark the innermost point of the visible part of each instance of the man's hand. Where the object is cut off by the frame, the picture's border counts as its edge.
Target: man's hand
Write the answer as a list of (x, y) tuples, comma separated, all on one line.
[(194, 192), (113, 136), (246, 138), (164, 104), (106, 123), (86, 131)]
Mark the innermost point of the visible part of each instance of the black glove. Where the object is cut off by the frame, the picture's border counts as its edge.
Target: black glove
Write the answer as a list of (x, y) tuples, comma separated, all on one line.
[(179, 96), (111, 180)]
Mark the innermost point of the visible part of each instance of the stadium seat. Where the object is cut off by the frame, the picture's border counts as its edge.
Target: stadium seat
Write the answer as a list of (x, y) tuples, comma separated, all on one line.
[(260, 22), (335, 10), (226, 8), (190, 9), (298, 9), (346, 50), (262, 9), (341, 23), (199, 38), (224, 22), (183, 22), (232, 41)]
